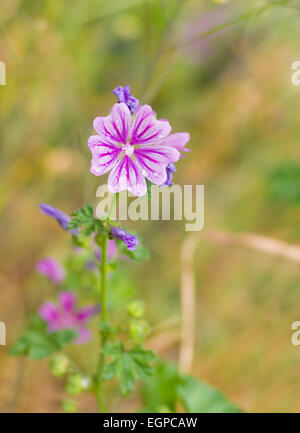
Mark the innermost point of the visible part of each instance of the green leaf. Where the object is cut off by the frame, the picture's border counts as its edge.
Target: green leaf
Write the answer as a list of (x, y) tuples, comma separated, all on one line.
[(84, 218), (128, 366), (283, 183), (168, 386), (37, 343), (161, 390), (198, 397)]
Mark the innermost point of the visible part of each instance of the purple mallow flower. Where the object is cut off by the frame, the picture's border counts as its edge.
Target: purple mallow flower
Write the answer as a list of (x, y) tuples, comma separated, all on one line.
[(52, 269), (65, 315), (134, 149), (124, 95), (131, 241), (62, 218)]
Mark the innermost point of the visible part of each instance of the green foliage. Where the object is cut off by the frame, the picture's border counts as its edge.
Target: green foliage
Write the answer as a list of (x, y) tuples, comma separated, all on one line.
[(168, 386), (283, 183), (128, 366), (161, 390), (84, 218), (107, 330), (138, 255), (197, 396), (38, 343)]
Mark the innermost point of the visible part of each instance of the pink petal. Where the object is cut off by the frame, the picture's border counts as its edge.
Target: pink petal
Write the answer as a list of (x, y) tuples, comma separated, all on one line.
[(87, 313), (104, 156), (153, 161), (103, 136), (112, 249), (84, 335), (52, 269), (127, 175), (49, 312), (147, 129), (114, 128), (178, 141), (67, 300)]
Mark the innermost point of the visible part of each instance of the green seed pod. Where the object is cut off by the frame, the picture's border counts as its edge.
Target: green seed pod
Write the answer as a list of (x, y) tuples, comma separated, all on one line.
[(139, 329), (77, 383), (136, 309), (59, 365)]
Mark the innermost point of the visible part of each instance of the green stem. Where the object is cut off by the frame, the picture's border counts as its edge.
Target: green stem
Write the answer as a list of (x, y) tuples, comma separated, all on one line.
[(101, 363), (112, 205), (104, 278), (103, 336)]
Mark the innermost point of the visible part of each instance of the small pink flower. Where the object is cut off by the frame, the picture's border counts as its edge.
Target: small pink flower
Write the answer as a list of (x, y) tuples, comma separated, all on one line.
[(65, 315), (52, 269), (133, 149)]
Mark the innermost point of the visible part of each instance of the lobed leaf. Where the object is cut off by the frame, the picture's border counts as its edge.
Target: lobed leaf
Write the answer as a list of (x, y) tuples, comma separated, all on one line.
[(128, 366), (168, 387), (84, 218), (37, 343)]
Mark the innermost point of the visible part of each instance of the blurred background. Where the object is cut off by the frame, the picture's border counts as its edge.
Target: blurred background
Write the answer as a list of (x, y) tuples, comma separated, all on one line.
[(221, 72)]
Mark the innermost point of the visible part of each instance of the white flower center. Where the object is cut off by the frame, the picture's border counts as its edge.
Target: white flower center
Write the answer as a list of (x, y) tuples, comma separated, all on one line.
[(128, 149)]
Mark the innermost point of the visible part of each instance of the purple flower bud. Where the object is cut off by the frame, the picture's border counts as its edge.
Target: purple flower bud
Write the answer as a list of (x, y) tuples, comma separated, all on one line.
[(52, 269), (124, 95), (131, 241), (62, 218), (170, 170)]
